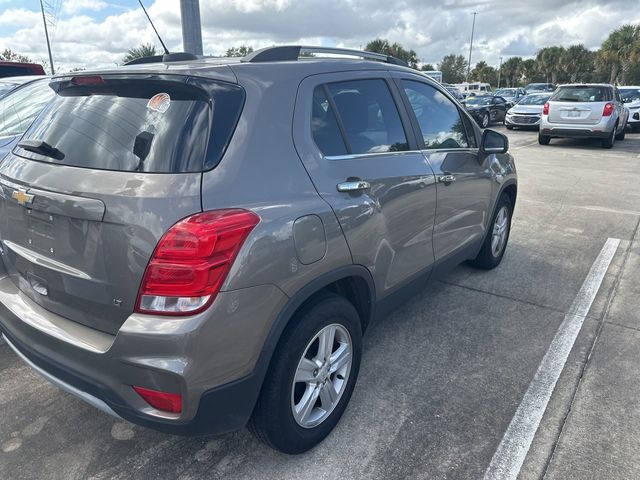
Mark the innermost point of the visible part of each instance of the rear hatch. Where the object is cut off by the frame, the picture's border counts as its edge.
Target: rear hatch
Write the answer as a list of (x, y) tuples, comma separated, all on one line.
[(111, 163), (578, 104)]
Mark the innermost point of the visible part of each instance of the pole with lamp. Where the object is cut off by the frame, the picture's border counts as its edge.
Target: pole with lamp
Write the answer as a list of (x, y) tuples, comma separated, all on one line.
[(46, 34)]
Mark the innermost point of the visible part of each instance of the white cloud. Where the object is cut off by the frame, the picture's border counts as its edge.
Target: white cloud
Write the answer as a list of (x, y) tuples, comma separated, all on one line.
[(71, 7), (431, 27)]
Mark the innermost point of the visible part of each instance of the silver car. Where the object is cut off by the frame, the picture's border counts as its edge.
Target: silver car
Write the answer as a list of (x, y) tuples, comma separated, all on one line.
[(631, 99), (527, 112), (584, 111)]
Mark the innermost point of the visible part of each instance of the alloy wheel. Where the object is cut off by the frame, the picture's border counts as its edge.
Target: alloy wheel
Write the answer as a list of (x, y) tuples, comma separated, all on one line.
[(500, 232), (321, 376)]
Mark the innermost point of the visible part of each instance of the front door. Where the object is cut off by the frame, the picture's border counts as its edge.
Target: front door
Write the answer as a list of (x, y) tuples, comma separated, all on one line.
[(357, 147), (464, 180)]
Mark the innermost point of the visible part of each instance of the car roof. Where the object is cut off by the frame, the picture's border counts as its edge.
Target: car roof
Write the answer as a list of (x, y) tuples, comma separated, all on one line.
[(629, 87), (608, 85), (21, 79)]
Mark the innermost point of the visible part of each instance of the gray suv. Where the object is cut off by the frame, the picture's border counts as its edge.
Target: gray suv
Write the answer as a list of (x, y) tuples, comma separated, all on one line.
[(199, 245)]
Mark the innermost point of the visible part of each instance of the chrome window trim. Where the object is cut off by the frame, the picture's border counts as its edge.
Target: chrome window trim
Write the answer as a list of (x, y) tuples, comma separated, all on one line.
[(357, 156)]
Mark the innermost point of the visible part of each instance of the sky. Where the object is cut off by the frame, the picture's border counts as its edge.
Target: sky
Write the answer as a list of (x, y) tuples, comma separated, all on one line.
[(97, 33)]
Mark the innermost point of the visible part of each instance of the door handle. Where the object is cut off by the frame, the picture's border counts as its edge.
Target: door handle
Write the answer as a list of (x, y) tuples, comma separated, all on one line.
[(353, 186), (447, 179)]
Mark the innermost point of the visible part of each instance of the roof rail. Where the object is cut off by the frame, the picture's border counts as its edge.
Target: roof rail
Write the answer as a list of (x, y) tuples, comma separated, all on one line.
[(294, 52)]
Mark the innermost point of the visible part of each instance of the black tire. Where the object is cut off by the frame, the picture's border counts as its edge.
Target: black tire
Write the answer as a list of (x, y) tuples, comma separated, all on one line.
[(273, 421), (509, 127), (486, 259), (610, 140), (544, 139), (485, 121), (620, 136)]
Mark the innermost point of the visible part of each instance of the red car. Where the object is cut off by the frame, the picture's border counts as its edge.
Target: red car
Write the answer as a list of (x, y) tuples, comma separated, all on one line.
[(15, 69)]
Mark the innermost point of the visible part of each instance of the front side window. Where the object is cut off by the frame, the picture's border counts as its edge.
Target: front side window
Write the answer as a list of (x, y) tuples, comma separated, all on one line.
[(20, 108), (438, 117)]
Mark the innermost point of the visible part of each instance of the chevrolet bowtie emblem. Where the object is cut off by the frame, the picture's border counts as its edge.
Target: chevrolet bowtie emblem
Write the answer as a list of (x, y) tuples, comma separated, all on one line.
[(22, 197)]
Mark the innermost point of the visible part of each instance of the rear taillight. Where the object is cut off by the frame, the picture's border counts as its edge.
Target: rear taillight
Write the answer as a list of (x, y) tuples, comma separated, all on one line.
[(192, 260), (545, 109), (608, 110), (167, 402)]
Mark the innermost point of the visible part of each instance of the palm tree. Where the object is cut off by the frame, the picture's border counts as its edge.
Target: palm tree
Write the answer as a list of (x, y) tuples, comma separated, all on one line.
[(621, 49), (550, 62), (144, 50), (512, 71), (380, 45), (577, 62)]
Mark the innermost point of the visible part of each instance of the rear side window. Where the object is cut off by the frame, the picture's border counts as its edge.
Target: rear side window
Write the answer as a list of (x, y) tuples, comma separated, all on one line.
[(367, 117), (438, 117), (20, 107), (324, 125), (582, 94), (137, 125)]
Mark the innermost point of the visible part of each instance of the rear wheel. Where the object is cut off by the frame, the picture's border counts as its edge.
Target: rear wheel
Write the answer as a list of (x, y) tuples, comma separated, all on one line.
[(311, 377), (610, 140), (495, 242), (544, 139), (621, 134)]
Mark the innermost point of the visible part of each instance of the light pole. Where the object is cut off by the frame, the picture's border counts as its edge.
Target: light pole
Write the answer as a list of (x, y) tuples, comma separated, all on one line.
[(46, 34), (473, 27), (499, 72), (191, 27)]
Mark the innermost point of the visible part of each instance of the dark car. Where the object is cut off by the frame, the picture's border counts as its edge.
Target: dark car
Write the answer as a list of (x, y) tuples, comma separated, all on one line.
[(19, 108), (486, 109), (457, 94), (16, 69)]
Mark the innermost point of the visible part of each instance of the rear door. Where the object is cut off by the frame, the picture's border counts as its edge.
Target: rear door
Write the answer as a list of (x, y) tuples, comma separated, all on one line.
[(359, 150), (465, 180), (579, 105), (110, 164)]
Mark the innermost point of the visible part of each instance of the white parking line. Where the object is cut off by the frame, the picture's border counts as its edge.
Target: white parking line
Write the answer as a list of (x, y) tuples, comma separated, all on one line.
[(513, 448)]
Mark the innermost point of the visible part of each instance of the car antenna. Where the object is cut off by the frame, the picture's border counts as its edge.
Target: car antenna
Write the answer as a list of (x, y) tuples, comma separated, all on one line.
[(166, 51)]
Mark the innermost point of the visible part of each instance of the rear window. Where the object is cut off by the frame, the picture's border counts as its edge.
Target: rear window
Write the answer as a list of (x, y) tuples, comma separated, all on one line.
[(582, 94), (168, 125)]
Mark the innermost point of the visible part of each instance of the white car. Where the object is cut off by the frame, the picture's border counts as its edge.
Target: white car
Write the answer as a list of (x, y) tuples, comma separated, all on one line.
[(527, 112), (631, 98)]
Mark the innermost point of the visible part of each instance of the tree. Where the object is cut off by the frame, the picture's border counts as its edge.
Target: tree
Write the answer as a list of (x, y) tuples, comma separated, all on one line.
[(529, 69), (512, 71), (578, 63), (453, 68), (9, 55), (483, 72), (622, 49), (426, 67), (144, 50), (380, 45), (241, 51), (549, 61)]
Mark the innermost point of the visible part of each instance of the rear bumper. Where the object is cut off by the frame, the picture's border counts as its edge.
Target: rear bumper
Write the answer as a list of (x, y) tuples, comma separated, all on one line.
[(211, 359), (575, 130)]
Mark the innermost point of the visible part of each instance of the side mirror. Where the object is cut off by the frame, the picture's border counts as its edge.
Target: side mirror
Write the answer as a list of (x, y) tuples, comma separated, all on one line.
[(494, 142)]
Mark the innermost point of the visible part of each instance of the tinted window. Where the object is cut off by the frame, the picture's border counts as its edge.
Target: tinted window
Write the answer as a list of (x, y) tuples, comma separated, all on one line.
[(324, 126), (137, 125), (437, 116), (534, 100), (582, 94), (369, 116), (22, 106), (13, 71)]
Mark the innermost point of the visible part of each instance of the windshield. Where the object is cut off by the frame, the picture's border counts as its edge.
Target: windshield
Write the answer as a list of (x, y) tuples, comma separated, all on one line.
[(630, 94), (534, 100), (479, 100), (506, 92), (582, 94), (131, 124), (21, 106)]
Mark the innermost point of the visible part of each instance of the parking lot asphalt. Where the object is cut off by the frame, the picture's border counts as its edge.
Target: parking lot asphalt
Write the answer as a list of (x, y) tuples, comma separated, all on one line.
[(443, 376)]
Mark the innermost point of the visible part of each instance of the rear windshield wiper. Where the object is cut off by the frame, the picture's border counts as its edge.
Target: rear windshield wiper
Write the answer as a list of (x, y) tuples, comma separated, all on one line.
[(42, 148)]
